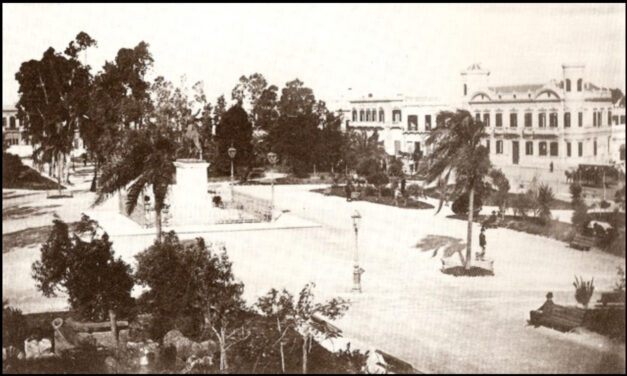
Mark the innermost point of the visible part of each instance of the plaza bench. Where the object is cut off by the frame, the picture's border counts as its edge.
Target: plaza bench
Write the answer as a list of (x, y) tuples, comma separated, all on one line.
[(582, 242), (559, 317)]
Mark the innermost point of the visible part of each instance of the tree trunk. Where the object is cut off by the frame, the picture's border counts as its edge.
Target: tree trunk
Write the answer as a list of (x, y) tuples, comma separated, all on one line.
[(114, 329), (223, 362), (305, 338), (158, 223), (59, 172), (278, 324), (471, 199), (94, 182)]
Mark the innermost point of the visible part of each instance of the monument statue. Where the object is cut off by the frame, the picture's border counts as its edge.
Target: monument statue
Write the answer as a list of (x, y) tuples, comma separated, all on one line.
[(193, 136)]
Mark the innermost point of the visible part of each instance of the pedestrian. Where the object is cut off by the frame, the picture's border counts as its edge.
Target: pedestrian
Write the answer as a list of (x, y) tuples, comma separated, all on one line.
[(403, 182), (482, 243), (348, 189), (551, 166), (548, 305), (397, 196)]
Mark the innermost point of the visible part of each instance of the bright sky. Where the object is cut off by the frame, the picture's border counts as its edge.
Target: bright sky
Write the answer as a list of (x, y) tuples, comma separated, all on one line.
[(415, 49)]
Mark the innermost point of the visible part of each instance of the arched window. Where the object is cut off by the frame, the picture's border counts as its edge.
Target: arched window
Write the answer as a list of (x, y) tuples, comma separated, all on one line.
[(579, 84), (12, 122), (361, 115), (381, 116), (354, 115), (567, 84), (396, 115)]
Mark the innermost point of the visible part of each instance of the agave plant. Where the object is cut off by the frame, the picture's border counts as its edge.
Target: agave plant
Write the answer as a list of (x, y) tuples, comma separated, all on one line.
[(583, 290)]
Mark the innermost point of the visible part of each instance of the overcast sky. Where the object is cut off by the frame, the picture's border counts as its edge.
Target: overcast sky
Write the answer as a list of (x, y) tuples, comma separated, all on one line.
[(416, 49)]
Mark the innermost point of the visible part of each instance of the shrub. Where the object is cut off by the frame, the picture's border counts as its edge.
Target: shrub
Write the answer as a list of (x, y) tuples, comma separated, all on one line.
[(583, 290), (580, 218), (604, 204), (460, 205), (414, 190), (14, 326), (217, 201), (522, 204), (378, 179), (544, 198), (370, 191), (502, 188), (620, 281), (386, 192), (575, 193)]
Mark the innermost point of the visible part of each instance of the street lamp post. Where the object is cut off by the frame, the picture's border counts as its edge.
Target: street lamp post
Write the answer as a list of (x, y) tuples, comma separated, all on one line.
[(232, 151), (357, 271), (272, 158)]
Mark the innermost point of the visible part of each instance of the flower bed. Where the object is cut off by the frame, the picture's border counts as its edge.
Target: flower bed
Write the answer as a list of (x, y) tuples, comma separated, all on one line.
[(407, 202)]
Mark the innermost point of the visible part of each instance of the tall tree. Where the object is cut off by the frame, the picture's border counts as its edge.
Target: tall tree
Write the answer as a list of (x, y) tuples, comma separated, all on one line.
[(234, 130), (98, 285), (54, 94), (218, 110), (456, 149), (119, 98)]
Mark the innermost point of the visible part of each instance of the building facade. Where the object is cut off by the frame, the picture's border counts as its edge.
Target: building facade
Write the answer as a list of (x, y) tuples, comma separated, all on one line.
[(403, 123), (12, 127), (555, 125)]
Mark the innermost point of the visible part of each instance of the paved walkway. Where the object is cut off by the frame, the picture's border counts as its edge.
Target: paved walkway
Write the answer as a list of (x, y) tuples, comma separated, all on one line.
[(436, 322)]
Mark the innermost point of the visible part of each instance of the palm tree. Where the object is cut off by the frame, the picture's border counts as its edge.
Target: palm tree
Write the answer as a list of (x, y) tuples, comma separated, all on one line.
[(361, 146), (146, 160), (456, 148)]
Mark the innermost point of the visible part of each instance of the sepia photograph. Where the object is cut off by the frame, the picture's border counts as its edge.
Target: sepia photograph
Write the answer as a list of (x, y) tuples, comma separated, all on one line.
[(337, 188)]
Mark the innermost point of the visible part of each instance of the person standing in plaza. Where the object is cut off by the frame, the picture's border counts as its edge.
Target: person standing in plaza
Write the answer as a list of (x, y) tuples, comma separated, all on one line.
[(348, 189), (482, 243)]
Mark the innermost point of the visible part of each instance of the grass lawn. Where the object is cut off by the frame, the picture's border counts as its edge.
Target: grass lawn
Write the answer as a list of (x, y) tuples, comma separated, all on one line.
[(384, 200), (24, 238), (30, 179)]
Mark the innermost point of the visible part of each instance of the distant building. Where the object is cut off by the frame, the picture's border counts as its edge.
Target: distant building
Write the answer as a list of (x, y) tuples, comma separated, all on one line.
[(14, 132), (403, 123), (552, 125), (12, 127)]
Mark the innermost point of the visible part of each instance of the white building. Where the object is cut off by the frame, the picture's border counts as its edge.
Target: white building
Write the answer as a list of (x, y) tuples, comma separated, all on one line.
[(554, 125), (403, 123)]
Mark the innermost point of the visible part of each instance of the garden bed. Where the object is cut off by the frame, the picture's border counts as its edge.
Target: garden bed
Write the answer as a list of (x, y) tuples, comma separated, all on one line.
[(511, 197), (408, 203), (553, 229)]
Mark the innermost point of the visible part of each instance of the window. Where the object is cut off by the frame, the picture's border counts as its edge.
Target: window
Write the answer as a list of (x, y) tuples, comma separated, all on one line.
[(600, 115), (594, 118), (542, 147), (542, 120), (412, 122), (566, 119), (397, 147), (427, 122), (529, 148), (528, 119), (361, 115), (513, 120), (622, 152), (580, 119), (486, 120), (594, 147), (580, 149), (4, 122), (354, 115), (12, 122), (487, 145), (609, 118), (396, 115), (499, 147), (553, 120), (381, 116), (499, 120), (568, 149), (553, 148), (477, 117), (417, 147), (579, 84), (567, 84)]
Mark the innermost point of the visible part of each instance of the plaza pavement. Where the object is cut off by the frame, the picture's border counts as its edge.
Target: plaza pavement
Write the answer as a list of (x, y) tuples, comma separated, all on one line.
[(408, 308)]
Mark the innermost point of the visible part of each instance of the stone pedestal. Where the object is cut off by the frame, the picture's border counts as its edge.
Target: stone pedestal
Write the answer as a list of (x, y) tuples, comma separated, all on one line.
[(189, 201)]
